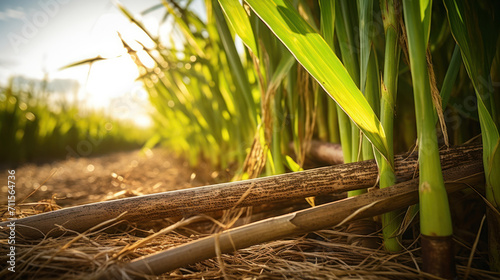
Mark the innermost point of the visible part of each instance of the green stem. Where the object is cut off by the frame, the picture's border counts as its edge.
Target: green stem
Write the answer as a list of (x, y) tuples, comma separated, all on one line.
[(390, 221), (327, 8), (276, 141), (348, 131), (321, 120), (345, 134), (333, 122), (434, 213), (372, 93), (435, 217)]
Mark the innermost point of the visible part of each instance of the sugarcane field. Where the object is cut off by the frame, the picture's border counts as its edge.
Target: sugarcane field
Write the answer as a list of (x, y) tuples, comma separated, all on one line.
[(250, 139)]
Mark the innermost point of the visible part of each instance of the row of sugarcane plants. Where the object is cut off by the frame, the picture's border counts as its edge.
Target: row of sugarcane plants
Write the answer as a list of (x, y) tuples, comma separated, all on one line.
[(35, 129), (376, 76)]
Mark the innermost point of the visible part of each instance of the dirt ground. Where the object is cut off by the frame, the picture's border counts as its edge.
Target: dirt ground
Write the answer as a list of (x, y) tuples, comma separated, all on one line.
[(91, 179), (324, 254)]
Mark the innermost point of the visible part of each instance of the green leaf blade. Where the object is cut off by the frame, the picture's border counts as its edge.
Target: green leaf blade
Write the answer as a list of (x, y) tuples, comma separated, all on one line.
[(239, 22), (476, 30), (316, 56)]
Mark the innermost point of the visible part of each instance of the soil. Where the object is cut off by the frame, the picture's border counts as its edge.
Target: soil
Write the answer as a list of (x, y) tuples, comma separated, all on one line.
[(91, 179)]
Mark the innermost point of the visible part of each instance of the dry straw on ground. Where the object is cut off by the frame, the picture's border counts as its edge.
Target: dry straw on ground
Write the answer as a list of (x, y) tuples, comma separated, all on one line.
[(320, 255)]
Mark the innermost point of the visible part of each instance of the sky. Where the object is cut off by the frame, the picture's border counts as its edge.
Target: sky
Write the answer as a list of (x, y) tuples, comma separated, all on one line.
[(40, 37)]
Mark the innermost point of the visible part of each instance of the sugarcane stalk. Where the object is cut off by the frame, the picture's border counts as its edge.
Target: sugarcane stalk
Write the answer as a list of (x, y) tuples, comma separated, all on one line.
[(435, 218), (327, 28), (325, 152), (349, 133), (391, 220), (311, 219)]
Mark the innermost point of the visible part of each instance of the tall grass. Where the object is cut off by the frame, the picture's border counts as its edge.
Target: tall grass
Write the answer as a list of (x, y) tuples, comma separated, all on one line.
[(354, 72)]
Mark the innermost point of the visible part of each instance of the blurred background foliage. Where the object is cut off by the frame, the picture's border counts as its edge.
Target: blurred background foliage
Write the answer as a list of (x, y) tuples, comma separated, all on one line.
[(37, 124)]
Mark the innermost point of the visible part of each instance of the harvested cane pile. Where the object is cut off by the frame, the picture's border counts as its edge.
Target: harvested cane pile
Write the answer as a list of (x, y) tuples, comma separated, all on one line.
[(113, 249)]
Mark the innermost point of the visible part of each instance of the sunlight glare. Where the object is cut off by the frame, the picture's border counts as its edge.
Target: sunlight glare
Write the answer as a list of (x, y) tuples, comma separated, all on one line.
[(112, 77), (145, 59), (115, 77)]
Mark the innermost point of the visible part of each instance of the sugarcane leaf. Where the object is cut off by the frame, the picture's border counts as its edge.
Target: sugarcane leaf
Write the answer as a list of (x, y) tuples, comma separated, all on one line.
[(239, 22), (89, 61), (247, 106), (327, 8), (365, 11), (292, 164), (425, 13), (286, 63), (490, 150), (316, 56), (344, 26), (184, 28), (493, 176), (451, 76), (488, 127), (476, 32), (475, 27)]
